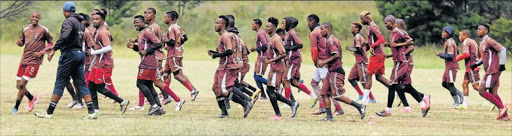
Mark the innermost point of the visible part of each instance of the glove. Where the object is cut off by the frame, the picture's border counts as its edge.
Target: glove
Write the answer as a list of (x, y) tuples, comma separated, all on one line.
[(502, 68)]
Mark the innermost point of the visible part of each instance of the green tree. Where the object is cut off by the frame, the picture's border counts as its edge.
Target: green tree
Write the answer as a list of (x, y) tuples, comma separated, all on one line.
[(181, 5), (500, 31), (118, 9)]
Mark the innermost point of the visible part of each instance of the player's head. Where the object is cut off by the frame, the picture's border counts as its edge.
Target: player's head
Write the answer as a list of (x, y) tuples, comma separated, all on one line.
[(463, 35), (104, 11), (149, 14), (356, 27), (168, 17), (271, 25), (448, 32), (326, 29), (483, 30), (86, 20), (256, 24), (94, 11), (34, 18), (281, 33), (98, 19), (365, 17), (68, 8), (389, 21), (175, 14), (399, 23), (139, 22), (231, 20), (313, 19), (221, 23)]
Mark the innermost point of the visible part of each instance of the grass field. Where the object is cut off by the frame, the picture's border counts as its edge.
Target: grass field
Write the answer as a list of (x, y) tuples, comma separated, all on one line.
[(198, 117)]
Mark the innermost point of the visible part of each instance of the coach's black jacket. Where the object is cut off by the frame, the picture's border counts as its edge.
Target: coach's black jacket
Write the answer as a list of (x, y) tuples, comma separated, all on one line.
[(71, 34)]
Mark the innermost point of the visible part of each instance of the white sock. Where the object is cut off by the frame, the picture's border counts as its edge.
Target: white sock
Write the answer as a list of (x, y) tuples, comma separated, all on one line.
[(409, 108), (422, 104), (388, 109), (312, 95), (465, 102), (365, 96)]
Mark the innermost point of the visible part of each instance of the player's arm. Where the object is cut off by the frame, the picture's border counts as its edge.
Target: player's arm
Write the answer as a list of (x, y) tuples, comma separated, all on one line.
[(229, 45), (105, 40), (479, 61), (264, 43), (449, 54), (503, 53), (280, 48), (67, 27), (49, 39), (380, 38), (157, 44), (297, 43), (313, 47), (358, 49), (465, 52), (21, 41), (408, 41)]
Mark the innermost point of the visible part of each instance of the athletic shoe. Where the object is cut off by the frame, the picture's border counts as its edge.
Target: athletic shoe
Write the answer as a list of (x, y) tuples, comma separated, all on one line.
[(194, 94), (98, 112), (405, 110), (318, 112), (153, 109), (124, 105), (72, 103), (506, 117), (360, 98), (338, 112), (461, 107), (247, 109), (43, 115), (275, 117), (159, 112), (31, 104), (14, 111), (294, 109), (166, 101), (313, 102), (503, 112), (424, 110), (426, 99), (78, 106), (372, 101), (301, 81), (222, 116), (383, 113), (362, 111), (327, 119), (179, 105), (92, 116), (255, 94), (136, 108), (37, 99)]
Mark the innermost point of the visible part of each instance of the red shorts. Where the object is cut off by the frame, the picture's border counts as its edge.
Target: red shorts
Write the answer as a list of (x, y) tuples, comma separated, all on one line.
[(243, 71), (358, 72), (292, 71), (174, 63), (399, 72), (407, 78), (449, 75), (224, 80), (491, 80), (472, 76), (259, 67), (27, 71), (376, 65), (147, 74), (100, 75), (87, 73), (335, 84), (274, 78)]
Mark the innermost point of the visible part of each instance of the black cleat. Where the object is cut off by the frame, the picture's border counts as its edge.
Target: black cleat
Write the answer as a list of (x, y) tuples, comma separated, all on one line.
[(294, 109), (223, 116), (362, 111), (247, 109), (327, 119)]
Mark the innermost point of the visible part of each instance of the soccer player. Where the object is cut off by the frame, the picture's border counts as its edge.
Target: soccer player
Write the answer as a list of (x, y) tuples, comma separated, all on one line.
[(358, 71), (493, 66), (450, 72), (227, 72), (293, 59), (175, 52), (103, 64), (147, 44), (330, 55), (275, 56), (260, 47), (470, 56), (320, 74), (34, 36), (71, 62), (376, 65), (150, 16)]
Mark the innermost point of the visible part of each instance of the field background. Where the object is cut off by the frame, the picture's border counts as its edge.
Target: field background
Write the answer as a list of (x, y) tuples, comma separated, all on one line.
[(198, 117)]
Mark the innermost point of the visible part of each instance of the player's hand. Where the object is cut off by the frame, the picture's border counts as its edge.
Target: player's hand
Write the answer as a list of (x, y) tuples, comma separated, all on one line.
[(19, 43), (321, 63), (88, 51), (371, 51), (502, 68), (253, 48), (437, 54), (50, 55), (130, 45), (210, 53), (132, 40), (143, 52), (38, 54), (266, 61), (393, 44)]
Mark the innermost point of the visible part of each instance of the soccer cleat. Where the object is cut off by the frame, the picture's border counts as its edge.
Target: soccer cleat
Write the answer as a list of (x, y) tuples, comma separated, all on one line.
[(372, 101), (424, 111), (362, 111), (247, 109), (318, 112), (14, 111), (43, 115), (294, 109), (78, 106), (275, 117), (256, 93), (193, 94), (505, 118), (159, 112), (31, 104), (383, 113), (461, 107), (503, 112), (179, 105), (327, 119), (313, 102), (37, 99), (405, 110), (124, 105), (360, 98), (223, 116), (338, 112), (92, 116), (136, 108), (166, 101), (153, 109), (72, 103)]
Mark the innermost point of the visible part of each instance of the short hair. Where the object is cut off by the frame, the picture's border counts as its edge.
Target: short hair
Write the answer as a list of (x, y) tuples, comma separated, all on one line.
[(358, 25), (97, 10), (104, 11), (328, 25), (175, 14), (139, 17), (390, 18), (273, 20), (172, 15), (486, 27), (465, 32), (400, 21), (279, 31), (231, 21), (102, 15), (152, 10), (258, 22), (225, 19), (85, 16), (314, 18)]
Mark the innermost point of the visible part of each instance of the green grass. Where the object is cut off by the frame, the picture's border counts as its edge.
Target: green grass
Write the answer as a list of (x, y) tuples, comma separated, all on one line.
[(198, 117)]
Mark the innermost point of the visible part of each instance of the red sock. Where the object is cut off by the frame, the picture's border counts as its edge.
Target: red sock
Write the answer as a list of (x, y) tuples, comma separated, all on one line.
[(321, 105), (360, 92), (111, 88), (337, 105), (371, 96), (141, 99), (188, 86), (167, 83), (492, 99), (171, 93), (304, 88), (287, 93), (498, 98)]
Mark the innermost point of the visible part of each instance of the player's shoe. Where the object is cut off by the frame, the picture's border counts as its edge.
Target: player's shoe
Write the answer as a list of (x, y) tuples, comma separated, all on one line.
[(43, 115), (503, 112), (124, 106), (72, 103), (318, 112), (372, 101), (159, 112), (247, 109), (405, 110), (14, 111), (275, 117), (359, 98), (136, 108), (31, 104), (383, 113), (327, 119), (166, 101), (294, 109), (179, 105), (92, 116), (78, 106), (223, 116), (153, 109), (338, 112), (362, 111), (193, 94), (313, 102)]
